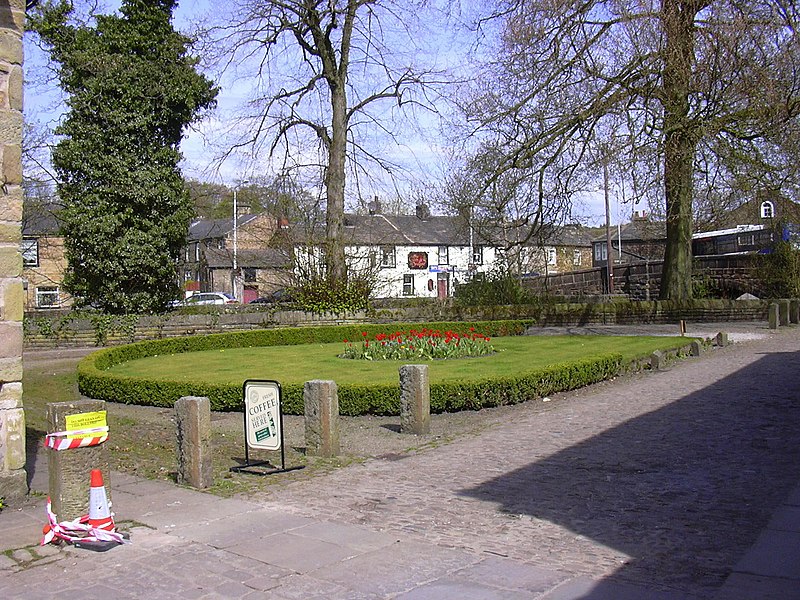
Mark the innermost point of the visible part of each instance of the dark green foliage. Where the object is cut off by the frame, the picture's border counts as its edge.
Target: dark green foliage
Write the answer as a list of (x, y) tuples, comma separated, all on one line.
[(132, 89), (317, 294), (495, 290), (780, 272)]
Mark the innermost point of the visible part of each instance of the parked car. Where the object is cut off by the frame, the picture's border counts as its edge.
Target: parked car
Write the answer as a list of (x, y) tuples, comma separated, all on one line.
[(210, 298)]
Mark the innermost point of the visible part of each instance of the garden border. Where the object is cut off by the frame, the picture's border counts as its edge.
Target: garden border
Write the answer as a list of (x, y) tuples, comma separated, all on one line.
[(95, 382)]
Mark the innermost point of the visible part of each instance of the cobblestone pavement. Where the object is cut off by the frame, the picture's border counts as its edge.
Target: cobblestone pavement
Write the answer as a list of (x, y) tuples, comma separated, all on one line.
[(660, 478), (650, 487)]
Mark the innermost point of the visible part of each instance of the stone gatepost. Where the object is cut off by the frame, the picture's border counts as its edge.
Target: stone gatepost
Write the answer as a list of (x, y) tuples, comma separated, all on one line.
[(321, 401), (696, 348), (794, 311), (658, 360), (415, 399), (193, 428), (722, 339), (783, 313), (772, 315), (13, 478), (69, 470)]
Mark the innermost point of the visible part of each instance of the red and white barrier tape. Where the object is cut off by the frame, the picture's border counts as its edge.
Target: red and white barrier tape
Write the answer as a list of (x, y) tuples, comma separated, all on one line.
[(76, 531), (60, 441)]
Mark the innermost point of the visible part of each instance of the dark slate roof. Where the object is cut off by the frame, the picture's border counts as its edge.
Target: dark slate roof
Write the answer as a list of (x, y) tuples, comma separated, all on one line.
[(639, 230), (204, 229), (434, 230), (39, 220), (266, 258)]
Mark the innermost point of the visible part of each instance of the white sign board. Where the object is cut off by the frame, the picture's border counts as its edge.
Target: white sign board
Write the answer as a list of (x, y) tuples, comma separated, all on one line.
[(262, 406)]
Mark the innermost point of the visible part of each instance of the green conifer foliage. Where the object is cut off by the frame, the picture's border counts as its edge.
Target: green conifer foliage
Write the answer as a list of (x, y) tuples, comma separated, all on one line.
[(132, 89)]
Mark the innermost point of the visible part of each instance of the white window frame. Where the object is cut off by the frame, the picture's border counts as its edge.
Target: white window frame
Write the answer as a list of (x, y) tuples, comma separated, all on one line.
[(601, 251), (552, 256), (44, 292), (767, 210), (444, 255), (408, 285), (388, 257), (577, 258), (30, 246), (477, 255)]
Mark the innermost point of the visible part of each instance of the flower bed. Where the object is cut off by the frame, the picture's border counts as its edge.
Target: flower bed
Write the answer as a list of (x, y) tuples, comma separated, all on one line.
[(426, 344)]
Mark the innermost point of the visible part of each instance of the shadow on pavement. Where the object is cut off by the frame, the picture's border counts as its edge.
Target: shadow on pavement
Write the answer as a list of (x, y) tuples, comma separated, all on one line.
[(683, 490)]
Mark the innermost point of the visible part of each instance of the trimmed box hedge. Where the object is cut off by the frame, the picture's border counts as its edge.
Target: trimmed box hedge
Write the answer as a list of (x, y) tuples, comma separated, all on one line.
[(95, 381)]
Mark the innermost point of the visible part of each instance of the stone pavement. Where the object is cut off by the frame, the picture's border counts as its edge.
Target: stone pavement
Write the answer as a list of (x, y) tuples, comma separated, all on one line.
[(677, 484)]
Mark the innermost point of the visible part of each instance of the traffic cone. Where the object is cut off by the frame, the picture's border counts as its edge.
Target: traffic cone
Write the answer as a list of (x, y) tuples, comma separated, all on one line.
[(99, 512)]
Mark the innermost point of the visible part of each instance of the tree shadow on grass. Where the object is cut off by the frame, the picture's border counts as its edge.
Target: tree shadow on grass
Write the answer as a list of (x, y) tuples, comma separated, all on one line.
[(684, 490)]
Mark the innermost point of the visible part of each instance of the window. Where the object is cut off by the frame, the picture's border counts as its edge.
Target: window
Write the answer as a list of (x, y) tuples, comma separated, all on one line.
[(249, 273), (47, 297), (417, 260), (552, 256), (767, 210), (577, 258), (601, 251), (387, 257), (444, 255), (30, 253), (187, 275), (197, 252), (408, 285), (748, 239), (477, 255)]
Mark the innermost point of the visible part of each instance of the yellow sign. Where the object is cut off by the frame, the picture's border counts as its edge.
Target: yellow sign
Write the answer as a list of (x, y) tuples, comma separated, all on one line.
[(81, 421)]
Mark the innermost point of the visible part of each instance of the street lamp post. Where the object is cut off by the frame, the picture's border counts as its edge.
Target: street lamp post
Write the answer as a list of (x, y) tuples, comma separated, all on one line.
[(235, 271), (609, 258)]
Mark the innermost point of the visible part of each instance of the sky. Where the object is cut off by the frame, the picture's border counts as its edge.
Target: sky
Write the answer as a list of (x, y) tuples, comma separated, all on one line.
[(421, 158)]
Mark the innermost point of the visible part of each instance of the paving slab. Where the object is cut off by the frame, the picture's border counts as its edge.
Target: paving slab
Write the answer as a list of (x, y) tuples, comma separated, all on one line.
[(240, 528), (293, 552)]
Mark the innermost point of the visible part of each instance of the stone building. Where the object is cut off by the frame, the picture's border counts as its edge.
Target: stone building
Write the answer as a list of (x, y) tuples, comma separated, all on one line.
[(13, 478)]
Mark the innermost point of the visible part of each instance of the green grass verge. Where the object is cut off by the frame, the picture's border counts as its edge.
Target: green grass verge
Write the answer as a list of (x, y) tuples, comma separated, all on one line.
[(159, 372)]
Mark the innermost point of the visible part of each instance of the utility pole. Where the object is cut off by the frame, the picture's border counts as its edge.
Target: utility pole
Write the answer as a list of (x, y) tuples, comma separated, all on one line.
[(609, 259)]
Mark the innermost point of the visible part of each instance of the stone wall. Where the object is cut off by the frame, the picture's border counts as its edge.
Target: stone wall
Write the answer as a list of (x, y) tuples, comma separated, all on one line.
[(732, 275), (13, 479), (121, 330)]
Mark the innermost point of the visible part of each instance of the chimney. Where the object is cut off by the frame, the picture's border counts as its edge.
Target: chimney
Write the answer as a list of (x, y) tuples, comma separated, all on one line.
[(423, 212), (639, 216), (374, 207)]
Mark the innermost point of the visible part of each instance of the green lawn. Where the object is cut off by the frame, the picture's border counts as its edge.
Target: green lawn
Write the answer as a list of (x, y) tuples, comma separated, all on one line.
[(296, 364)]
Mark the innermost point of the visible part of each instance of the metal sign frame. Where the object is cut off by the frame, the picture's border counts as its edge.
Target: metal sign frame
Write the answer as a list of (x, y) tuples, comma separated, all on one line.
[(262, 398)]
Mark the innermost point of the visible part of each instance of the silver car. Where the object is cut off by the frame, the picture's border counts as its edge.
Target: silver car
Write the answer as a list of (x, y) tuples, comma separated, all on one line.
[(210, 298)]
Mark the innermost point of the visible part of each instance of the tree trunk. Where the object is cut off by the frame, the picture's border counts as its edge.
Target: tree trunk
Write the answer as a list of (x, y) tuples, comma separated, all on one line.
[(334, 187), (679, 147)]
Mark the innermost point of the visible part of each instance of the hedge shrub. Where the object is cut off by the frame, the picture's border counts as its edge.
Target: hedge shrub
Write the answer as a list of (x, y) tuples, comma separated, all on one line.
[(94, 380)]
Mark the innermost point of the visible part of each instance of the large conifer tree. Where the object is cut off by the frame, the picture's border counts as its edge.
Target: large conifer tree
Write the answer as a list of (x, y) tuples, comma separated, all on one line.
[(132, 89)]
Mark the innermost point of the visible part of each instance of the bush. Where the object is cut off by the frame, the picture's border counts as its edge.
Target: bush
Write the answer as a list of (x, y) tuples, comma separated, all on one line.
[(94, 380), (496, 289), (780, 271)]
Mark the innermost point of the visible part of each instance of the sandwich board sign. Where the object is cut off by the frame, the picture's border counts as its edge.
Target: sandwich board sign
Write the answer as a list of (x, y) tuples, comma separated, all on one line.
[(263, 424), (262, 405)]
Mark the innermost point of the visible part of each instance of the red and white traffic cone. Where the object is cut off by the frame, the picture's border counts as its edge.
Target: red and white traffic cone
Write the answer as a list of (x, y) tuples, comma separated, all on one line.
[(99, 512)]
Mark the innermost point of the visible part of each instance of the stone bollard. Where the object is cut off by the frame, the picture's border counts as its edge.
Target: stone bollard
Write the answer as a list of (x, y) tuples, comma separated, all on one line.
[(722, 339), (193, 429), (783, 313), (321, 401), (415, 399), (69, 470), (794, 311), (658, 360), (696, 348), (772, 316)]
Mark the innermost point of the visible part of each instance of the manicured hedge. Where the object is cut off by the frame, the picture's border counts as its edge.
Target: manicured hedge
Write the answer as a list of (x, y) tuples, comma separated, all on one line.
[(95, 382)]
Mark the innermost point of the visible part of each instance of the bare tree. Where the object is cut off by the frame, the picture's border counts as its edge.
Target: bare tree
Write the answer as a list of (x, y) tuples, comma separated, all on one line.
[(696, 88), (336, 70)]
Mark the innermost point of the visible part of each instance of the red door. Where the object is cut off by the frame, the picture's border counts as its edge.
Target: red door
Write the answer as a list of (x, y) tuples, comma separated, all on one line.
[(250, 294), (441, 282)]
